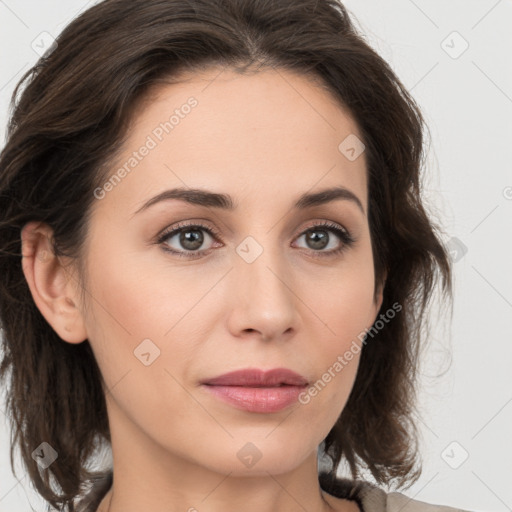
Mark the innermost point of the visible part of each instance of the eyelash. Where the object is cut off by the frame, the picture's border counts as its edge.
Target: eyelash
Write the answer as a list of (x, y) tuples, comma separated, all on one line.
[(342, 233)]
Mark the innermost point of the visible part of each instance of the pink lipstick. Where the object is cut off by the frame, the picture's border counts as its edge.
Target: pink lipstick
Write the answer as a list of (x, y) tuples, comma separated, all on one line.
[(256, 390)]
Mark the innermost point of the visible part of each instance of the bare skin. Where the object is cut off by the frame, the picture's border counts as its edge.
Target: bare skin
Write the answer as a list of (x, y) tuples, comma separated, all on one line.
[(264, 139)]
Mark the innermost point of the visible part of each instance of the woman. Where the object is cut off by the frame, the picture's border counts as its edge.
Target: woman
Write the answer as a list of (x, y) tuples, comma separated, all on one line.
[(225, 262)]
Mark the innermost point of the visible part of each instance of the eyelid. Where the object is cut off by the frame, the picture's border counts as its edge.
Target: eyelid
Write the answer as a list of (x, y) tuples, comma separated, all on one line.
[(199, 223)]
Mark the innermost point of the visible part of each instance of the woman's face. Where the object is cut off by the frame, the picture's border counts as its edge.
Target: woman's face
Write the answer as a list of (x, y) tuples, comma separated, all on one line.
[(255, 291)]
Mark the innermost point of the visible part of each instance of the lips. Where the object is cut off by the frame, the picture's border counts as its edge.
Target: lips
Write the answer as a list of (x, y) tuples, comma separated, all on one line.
[(257, 391), (258, 378)]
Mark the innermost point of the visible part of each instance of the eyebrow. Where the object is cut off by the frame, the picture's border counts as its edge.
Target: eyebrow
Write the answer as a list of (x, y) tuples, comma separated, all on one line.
[(225, 202)]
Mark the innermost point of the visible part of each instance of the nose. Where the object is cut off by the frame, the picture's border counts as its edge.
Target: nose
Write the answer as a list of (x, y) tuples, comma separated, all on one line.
[(263, 302)]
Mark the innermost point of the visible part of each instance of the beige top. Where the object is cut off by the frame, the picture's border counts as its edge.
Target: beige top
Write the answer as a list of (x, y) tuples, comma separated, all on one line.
[(371, 498), (368, 496)]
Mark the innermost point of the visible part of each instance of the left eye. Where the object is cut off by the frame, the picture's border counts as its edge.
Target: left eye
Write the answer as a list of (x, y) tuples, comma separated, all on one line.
[(191, 239)]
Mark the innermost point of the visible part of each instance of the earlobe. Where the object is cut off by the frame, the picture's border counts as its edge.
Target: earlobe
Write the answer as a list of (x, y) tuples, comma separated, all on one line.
[(50, 283)]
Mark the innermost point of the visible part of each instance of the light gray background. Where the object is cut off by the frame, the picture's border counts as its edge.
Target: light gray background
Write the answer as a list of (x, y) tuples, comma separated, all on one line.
[(466, 390)]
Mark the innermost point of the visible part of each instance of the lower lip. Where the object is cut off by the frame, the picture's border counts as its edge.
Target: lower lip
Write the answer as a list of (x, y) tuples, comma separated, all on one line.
[(264, 400)]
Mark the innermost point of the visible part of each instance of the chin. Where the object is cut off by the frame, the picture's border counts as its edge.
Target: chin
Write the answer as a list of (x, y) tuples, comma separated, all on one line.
[(257, 456)]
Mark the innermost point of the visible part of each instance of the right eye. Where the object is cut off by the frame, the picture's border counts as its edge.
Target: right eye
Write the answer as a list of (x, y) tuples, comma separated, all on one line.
[(190, 238)]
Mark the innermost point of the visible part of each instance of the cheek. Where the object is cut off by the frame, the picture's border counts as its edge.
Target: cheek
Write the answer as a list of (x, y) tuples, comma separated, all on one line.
[(135, 296), (346, 312), (131, 300), (345, 309), (345, 301)]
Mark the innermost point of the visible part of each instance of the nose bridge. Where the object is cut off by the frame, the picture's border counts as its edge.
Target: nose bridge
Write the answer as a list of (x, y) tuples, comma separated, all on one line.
[(260, 261)]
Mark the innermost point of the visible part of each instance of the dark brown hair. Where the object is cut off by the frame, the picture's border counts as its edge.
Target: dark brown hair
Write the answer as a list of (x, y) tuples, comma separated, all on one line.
[(70, 116)]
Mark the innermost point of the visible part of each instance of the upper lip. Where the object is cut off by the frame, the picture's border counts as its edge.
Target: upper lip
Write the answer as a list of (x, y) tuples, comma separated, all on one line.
[(251, 377)]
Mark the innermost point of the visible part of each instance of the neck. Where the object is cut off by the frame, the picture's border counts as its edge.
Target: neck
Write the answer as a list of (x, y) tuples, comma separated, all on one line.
[(147, 476)]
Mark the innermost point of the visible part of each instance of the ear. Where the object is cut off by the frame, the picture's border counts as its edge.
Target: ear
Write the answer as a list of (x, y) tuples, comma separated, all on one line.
[(50, 283)]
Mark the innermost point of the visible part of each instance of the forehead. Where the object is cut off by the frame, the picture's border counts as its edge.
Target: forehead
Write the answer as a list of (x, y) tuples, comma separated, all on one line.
[(261, 133)]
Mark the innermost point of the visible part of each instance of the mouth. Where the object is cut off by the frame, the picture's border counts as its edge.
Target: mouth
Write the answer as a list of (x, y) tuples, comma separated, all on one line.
[(257, 391)]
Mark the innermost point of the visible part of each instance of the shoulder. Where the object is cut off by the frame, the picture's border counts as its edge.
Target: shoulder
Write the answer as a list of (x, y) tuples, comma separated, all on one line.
[(372, 498), (396, 501)]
